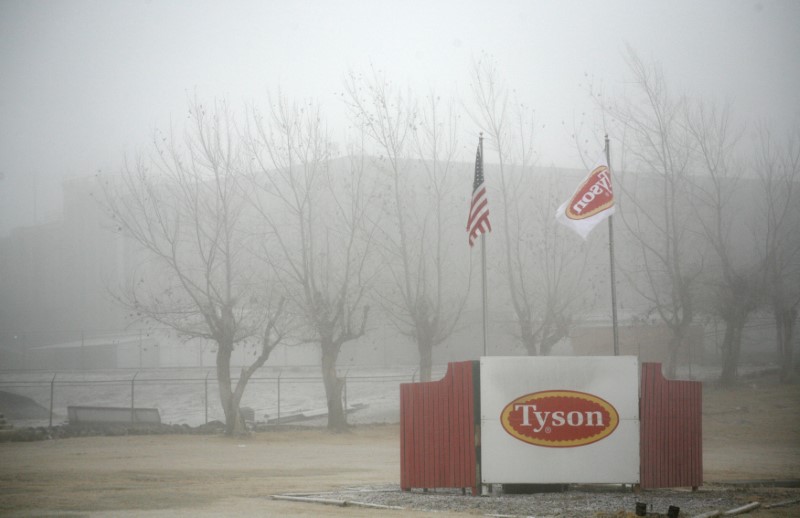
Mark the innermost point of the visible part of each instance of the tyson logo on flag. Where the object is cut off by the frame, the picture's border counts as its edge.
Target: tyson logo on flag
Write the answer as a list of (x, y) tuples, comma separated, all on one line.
[(559, 418), (593, 196)]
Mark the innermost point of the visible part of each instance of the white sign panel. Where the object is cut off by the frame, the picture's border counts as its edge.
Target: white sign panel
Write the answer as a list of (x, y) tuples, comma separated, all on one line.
[(559, 420)]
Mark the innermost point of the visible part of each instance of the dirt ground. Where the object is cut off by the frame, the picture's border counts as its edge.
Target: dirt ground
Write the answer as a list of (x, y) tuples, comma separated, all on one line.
[(751, 432)]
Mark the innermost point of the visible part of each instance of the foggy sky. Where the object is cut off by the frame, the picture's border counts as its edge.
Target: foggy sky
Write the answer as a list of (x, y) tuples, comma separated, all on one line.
[(83, 83)]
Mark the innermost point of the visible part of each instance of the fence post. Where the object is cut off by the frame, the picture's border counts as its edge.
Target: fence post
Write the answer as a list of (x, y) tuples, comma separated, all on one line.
[(205, 398), (279, 397), (133, 391), (344, 392), (52, 386)]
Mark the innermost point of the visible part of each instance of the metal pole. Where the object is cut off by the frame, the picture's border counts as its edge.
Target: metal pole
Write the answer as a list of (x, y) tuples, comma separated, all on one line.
[(483, 289), (279, 395), (52, 385), (205, 399), (611, 262), (483, 266), (344, 392), (133, 382)]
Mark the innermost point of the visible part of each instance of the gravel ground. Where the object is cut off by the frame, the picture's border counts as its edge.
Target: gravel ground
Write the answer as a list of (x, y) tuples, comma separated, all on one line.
[(750, 432), (576, 501)]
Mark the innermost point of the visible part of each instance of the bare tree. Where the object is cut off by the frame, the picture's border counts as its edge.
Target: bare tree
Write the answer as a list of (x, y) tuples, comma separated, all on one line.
[(544, 270), (734, 280), (657, 213), (318, 237), (778, 169), (415, 243), (183, 206)]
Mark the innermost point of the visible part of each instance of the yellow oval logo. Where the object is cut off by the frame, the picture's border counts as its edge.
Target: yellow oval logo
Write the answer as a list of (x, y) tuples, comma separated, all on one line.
[(594, 195), (559, 418)]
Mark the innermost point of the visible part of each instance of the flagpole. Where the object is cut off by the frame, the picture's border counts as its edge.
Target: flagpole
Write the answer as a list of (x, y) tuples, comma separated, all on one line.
[(613, 273), (483, 264)]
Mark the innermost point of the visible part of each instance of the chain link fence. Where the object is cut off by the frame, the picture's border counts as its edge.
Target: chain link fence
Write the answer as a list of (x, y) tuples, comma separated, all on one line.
[(190, 396)]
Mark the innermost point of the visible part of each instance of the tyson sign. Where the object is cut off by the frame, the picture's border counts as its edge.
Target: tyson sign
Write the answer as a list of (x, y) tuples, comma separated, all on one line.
[(559, 418), (553, 420)]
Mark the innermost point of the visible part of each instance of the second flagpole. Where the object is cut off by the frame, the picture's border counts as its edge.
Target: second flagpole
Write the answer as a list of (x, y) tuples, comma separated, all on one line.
[(483, 265), (612, 266)]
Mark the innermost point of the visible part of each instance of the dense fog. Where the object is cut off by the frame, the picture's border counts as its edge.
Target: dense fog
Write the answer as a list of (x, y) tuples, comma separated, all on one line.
[(242, 186)]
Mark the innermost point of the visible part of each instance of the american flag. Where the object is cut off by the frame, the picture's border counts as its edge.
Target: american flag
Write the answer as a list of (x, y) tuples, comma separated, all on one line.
[(478, 222)]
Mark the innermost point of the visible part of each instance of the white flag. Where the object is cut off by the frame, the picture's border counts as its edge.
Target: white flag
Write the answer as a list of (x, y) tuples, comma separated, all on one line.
[(592, 202)]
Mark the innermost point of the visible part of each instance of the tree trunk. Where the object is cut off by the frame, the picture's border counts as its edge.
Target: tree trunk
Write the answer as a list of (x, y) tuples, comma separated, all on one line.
[(337, 419), (546, 346), (784, 326), (672, 363), (425, 348), (551, 335), (230, 404), (528, 338), (731, 348)]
